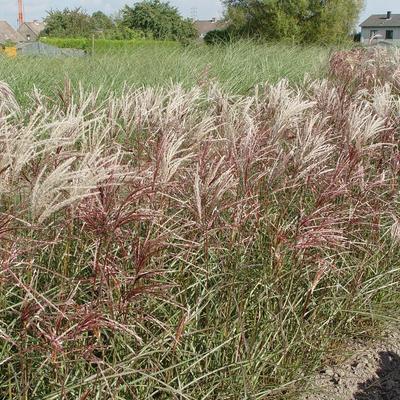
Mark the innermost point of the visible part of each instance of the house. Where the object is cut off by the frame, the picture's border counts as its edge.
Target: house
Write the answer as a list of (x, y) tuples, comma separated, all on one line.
[(203, 27), (9, 34), (31, 30), (381, 28)]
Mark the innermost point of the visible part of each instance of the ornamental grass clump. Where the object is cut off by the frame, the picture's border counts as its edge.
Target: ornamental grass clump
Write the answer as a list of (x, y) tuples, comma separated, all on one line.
[(190, 244)]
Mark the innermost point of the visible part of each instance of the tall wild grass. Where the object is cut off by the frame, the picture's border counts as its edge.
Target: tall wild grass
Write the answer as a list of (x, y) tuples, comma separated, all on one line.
[(237, 67), (173, 243)]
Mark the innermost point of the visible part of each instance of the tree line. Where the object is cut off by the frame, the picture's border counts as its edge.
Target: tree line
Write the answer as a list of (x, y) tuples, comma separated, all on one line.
[(152, 19), (300, 21)]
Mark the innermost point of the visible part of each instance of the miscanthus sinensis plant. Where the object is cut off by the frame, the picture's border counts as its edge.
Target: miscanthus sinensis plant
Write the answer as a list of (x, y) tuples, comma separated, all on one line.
[(190, 244)]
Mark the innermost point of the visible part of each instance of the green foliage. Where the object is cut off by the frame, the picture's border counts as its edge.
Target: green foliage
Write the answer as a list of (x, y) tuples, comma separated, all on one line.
[(68, 23), (301, 21), (67, 43), (357, 37), (121, 32), (218, 36), (104, 45), (159, 20), (238, 67), (101, 21), (78, 24), (8, 43), (151, 19)]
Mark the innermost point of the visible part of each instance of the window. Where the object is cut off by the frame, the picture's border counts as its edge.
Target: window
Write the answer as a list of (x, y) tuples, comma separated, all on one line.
[(28, 37), (389, 35), (372, 33)]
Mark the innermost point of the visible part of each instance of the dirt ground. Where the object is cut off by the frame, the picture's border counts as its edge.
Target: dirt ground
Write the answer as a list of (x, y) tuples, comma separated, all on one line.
[(372, 372)]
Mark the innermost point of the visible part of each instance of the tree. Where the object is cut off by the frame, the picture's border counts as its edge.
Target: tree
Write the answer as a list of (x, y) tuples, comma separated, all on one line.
[(68, 23), (218, 36), (159, 20), (270, 19), (77, 23), (101, 21), (298, 20), (337, 19)]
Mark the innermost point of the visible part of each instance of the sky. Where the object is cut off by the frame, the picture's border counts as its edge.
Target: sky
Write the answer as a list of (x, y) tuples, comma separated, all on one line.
[(202, 9)]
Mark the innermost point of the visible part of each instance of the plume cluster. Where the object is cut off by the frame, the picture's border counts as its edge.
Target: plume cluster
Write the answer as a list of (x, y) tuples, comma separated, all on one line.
[(175, 243)]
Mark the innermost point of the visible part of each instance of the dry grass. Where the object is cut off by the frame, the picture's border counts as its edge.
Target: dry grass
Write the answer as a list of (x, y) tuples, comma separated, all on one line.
[(191, 244)]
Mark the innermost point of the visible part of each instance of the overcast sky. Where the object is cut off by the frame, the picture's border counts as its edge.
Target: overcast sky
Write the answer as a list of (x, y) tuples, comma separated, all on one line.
[(203, 9)]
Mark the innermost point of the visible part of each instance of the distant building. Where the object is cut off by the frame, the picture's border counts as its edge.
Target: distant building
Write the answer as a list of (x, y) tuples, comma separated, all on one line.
[(203, 27), (31, 30), (9, 34), (381, 28)]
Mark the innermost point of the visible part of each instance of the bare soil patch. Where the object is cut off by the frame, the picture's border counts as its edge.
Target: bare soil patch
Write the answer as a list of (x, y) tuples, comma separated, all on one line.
[(371, 373)]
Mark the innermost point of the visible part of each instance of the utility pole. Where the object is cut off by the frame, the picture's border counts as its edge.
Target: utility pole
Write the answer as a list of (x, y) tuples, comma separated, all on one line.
[(194, 13), (21, 18)]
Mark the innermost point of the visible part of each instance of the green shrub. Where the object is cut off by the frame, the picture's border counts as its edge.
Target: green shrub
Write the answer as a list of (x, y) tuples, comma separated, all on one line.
[(104, 45), (218, 36), (124, 33), (159, 19)]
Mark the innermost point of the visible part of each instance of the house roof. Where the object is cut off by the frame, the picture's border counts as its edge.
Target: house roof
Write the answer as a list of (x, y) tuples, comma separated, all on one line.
[(379, 20), (36, 26), (8, 33), (204, 27)]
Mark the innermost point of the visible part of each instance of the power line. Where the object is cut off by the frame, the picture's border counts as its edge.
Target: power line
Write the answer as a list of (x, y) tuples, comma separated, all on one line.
[(194, 13)]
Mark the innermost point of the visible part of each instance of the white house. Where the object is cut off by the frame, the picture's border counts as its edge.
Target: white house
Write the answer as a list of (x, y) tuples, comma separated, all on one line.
[(383, 28)]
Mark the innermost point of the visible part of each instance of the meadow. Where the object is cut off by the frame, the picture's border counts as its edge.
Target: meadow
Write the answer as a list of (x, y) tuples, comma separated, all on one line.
[(203, 223), (238, 68)]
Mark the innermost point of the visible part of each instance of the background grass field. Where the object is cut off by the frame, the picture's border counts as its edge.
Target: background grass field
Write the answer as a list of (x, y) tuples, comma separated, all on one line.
[(238, 68)]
